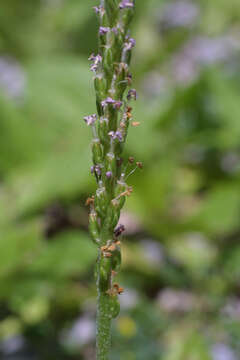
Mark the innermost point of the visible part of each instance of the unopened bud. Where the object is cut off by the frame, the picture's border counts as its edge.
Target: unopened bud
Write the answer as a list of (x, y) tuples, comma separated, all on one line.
[(97, 151), (109, 174)]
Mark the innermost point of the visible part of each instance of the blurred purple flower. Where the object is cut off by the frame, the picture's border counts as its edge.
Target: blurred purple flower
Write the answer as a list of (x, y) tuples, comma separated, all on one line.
[(200, 52), (12, 345), (81, 333), (222, 352), (171, 300), (207, 51), (153, 252), (12, 78), (129, 299), (154, 83), (181, 13)]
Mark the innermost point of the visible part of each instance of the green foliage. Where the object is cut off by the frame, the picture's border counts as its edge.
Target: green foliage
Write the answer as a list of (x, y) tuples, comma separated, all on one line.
[(181, 255)]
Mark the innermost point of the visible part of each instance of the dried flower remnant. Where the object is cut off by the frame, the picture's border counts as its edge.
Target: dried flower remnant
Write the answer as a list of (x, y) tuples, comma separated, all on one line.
[(132, 94), (119, 230)]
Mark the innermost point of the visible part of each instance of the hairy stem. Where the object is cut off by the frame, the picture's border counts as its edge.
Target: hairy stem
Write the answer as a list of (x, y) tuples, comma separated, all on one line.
[(103, 327)]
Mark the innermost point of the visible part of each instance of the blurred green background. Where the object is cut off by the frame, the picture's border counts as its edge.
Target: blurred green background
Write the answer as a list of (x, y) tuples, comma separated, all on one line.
[(181, 250)]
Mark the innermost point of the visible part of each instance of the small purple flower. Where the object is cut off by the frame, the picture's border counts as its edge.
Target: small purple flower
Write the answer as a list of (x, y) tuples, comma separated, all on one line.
[(104, 30), (97, 9), (117, 105), (115, 30), (98, 170), (90, 119), (96, 61), (126, 4), (109, 174), (116, 135), (132, 94), (129, 44), (108, 101), (119, 136)]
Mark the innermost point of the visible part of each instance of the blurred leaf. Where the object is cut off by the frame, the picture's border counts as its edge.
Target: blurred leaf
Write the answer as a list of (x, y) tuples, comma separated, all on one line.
[(220, 209), (22, 242), (69, 254)]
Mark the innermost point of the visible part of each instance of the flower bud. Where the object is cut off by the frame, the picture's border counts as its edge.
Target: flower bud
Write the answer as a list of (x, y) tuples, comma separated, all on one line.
[(111, 163), (108, 63), (100, 86), (109, 174), (132, 94), (101, 201), (97, 151), (121, 187), (121, 79), (112, 11), (103, 30), (112, 217), (94, 227), (128, 12), (103, 131)]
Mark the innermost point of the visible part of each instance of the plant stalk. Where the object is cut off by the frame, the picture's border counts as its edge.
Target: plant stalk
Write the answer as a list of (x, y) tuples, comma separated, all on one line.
[(109, 128)]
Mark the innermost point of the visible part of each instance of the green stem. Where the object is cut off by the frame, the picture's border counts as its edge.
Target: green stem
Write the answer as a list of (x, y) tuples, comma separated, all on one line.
[(103, 326)]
